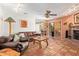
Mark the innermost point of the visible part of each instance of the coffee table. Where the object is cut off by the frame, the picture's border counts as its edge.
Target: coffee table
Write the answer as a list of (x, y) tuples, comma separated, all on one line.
[(39, 39)]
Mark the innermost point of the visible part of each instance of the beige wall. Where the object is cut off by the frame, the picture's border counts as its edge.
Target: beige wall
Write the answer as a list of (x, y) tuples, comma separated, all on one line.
[(65, 22), (57, 28), (67, 19)]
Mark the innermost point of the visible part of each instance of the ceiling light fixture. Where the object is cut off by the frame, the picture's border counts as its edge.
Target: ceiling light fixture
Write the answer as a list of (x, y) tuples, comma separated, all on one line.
[(17, 7)]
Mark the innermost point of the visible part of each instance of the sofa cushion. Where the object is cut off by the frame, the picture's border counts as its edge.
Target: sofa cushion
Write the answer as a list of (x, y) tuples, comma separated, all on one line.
[(23, 39), (21, 35), (3, 39), (10, 44)]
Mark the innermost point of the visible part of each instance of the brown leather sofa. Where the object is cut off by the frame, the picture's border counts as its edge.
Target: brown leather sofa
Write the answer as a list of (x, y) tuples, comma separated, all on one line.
[(8, 42)]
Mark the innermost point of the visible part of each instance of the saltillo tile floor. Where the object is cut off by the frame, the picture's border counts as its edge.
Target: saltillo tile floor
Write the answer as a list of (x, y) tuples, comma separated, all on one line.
[(56, 47)]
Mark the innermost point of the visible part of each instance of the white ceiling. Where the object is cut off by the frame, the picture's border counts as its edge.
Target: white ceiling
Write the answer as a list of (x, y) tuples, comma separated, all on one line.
[(38, 9)]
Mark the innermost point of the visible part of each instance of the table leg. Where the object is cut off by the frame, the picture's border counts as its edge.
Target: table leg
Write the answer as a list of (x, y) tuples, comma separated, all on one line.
[(33, 41), (47, 42), (40, 46)]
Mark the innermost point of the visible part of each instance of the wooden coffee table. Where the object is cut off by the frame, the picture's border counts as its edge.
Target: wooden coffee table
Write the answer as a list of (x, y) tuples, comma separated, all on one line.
[(9, 52), (39, 39)]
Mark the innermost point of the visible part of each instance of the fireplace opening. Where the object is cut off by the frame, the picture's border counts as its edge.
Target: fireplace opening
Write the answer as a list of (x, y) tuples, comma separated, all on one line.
[(76, 34)]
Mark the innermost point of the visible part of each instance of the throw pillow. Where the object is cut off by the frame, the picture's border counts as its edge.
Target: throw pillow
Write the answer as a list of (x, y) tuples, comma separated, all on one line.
[(22, 35), (16, 37)]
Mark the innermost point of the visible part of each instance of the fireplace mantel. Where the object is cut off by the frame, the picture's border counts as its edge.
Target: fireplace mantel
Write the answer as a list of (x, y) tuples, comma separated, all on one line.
[(74, 28), (77, 27)]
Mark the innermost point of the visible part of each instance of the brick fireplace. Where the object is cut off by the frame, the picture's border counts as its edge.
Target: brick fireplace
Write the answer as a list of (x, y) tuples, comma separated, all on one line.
[(75, 32)]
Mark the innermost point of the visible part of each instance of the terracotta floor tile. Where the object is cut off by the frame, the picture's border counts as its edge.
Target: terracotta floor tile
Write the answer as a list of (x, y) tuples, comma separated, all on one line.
[(56, 47)]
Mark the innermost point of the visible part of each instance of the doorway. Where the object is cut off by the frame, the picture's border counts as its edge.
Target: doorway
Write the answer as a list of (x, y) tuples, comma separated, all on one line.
[(51, 29)]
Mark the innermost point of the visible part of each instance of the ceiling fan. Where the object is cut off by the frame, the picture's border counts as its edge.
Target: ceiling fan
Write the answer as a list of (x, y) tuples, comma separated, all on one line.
[(48, 14)]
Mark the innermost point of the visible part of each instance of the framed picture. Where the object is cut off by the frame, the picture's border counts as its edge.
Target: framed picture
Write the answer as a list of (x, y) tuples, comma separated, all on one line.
[(23, 23), (76, 18)]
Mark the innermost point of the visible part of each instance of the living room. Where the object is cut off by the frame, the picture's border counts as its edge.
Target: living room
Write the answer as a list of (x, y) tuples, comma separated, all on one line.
[(43, 29)]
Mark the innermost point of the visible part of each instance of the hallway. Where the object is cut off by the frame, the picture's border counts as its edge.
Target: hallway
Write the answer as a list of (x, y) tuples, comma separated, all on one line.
[(57, 47)]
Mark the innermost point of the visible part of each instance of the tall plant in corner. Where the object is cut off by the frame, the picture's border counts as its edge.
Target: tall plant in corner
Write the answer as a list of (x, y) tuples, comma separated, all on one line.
[(10, 20)]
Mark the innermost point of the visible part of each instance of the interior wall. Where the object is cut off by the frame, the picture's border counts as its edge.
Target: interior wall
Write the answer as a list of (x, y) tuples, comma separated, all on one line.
[(68, 19), (16, 26), (57, 27), (65, 22), (37, 28)]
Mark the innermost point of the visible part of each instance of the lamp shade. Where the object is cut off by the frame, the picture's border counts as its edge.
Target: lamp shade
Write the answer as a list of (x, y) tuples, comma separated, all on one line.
[(10, 19)]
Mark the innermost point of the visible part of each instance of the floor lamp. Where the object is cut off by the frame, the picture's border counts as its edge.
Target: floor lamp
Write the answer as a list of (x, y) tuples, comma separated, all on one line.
[(10, 20)]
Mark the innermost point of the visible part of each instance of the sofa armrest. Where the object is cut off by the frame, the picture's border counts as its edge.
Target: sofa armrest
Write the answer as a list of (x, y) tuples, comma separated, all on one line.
[(19, 47)]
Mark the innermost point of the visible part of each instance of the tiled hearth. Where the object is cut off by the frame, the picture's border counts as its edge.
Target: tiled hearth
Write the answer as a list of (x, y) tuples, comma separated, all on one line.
[(56, 47)]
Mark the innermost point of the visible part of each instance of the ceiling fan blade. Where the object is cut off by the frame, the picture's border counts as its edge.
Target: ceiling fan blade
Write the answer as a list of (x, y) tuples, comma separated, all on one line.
[(53, 14), (25, 13), (47, 15), (48, 11)]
